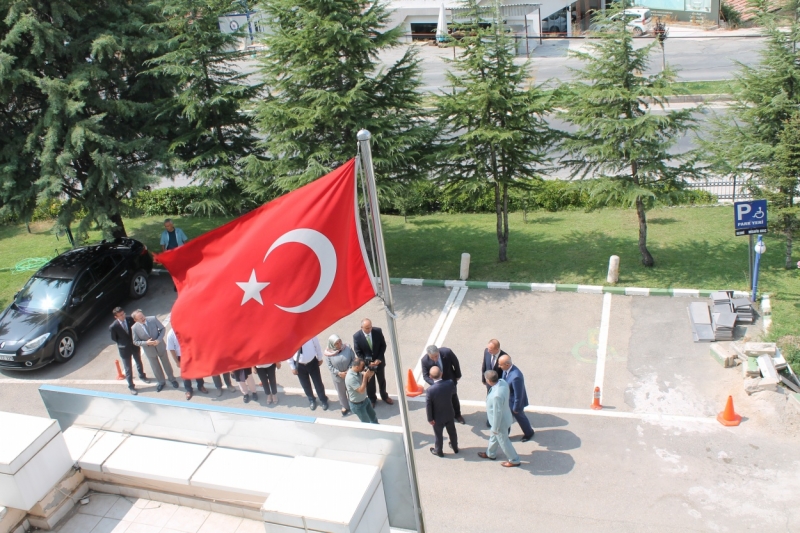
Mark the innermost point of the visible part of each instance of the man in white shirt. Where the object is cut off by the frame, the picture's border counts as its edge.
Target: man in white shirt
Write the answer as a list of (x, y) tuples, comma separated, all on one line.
[(174, 350), (305, 365)]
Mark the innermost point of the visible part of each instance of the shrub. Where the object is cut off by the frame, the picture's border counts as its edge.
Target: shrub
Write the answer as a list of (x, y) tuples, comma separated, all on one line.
[(169, 201), (730, 15)]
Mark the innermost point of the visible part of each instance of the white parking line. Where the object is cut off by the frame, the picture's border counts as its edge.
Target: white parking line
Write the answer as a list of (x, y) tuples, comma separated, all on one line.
[(602, 345), (442, 325), (479, 404)]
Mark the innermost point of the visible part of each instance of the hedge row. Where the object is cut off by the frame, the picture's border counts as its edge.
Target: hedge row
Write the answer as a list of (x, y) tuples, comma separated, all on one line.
[(421, 198)]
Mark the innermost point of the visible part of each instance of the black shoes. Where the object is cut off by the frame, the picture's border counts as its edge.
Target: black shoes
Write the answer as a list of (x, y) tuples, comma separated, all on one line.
[(325, 406), (246, 398), (219, 393), (461, 420), (526, 439), (313, 405), (433, 451), (254, 396), (134, 391), (144, 379), (454, 448), (202, 389), (174, 383), (345, 412), (160, 387)]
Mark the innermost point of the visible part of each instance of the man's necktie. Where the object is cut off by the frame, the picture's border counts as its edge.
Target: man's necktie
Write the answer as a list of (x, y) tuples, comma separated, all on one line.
[(369, 341)]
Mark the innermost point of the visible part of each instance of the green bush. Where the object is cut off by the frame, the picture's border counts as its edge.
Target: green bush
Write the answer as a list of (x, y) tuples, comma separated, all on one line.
[(169, 201), (557, 195), (47, 210), (730, 15)]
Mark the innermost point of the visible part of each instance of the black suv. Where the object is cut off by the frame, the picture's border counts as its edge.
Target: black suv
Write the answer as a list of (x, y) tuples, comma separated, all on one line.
[(65, 296)]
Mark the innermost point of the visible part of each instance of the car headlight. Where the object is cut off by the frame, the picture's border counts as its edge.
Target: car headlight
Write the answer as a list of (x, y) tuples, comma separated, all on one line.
[(35, 344)]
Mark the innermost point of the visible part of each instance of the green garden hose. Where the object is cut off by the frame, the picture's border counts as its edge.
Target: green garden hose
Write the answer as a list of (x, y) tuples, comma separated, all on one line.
[(27, 265)]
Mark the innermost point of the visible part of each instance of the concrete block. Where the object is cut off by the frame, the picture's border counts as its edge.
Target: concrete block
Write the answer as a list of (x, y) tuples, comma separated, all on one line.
[(779, 361), (767, 368), (589, 289), (637, 291), (738, 349), (10, 519), (543, 287), (33, 458), (754, 349), (79, 440), (265, 472), (156, 460), (753, 385), (358, 485), (723, 354), (106, 443), (750, 368)]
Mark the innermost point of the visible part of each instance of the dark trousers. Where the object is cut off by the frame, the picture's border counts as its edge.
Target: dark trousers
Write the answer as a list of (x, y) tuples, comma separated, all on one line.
[(524, 423), (187, 383), (438, 431), (126, 364), (380, 376), (456, 402), (268, 381), (218, 380), (308, 373)]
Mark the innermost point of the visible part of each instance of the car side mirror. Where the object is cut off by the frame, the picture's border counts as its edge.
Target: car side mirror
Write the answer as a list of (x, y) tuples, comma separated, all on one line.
[(77, 301)]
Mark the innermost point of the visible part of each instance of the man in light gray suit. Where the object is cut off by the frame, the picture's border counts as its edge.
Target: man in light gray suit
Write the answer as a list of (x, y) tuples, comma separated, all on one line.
[(148, 333), (499, 414)]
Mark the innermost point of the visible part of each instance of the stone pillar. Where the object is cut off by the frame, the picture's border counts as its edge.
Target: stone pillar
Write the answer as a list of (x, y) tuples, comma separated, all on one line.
[(464, 266), (613, 269)]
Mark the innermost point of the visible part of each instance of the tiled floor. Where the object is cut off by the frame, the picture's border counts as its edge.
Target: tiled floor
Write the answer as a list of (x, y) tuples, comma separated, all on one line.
[(108, 513)]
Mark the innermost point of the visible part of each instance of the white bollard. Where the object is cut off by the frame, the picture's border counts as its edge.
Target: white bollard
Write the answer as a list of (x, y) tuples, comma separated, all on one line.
[(613, 269), (464, 266)]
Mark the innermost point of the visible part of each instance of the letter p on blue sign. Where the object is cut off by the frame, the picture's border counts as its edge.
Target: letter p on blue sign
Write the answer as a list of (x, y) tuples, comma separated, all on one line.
[(750, 217)]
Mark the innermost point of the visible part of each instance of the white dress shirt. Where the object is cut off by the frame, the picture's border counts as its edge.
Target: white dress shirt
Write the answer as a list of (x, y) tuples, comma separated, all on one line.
[(310, 350), (172, 343)]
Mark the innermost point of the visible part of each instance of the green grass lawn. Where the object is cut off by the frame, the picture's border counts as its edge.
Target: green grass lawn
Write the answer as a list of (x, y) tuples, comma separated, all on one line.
[(694, 247)]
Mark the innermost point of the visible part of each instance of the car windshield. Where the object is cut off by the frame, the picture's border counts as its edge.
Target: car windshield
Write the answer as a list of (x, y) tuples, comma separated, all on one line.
[(43, 294)]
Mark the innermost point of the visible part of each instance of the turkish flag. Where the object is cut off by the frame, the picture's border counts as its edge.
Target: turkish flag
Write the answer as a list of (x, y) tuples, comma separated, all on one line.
[(254, 290)]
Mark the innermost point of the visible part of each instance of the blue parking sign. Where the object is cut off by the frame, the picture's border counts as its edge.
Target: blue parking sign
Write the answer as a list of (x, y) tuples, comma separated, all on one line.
[(750, 217)]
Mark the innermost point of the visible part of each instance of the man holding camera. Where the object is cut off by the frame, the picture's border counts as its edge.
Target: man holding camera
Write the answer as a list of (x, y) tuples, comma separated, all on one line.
[(370, 345), (356, 382)]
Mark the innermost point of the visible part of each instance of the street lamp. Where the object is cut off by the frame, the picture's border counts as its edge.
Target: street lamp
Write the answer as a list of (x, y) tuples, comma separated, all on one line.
[(759, 249)]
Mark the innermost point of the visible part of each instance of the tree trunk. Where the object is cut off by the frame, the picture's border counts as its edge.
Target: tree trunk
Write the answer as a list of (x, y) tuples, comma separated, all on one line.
[(789, 248), (119, 229), (505, 221), (498, 208), (647, 259)]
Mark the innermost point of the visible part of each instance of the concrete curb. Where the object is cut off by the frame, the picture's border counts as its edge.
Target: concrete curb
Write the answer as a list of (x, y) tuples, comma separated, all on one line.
[(559, 287)]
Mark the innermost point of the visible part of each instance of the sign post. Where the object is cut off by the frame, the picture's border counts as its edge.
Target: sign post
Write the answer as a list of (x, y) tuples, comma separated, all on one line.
[(750, 218)]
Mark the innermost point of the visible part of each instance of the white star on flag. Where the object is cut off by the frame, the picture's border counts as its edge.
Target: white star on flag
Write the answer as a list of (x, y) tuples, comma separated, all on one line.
[(252, 289)]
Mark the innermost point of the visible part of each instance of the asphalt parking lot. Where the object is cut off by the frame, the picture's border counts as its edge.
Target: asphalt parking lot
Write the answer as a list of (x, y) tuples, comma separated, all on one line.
[(654, 459)]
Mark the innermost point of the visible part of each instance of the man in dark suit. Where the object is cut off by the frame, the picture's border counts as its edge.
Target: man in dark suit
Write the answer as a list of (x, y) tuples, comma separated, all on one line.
[(518, 398), (449, 369), (370, 345), (491, 358), (439, 406), (120, 331)]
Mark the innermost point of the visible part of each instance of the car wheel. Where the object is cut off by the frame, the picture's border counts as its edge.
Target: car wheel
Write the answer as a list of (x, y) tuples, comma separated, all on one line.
[(554, 29), (139, 284), (65, 347), (637, 32)]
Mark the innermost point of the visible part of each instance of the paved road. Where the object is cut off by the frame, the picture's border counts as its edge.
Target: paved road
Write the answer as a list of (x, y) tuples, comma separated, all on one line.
[(654, 460)]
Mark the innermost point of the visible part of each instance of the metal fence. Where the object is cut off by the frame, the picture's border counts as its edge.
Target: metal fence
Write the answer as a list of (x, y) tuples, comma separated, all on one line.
[(724, 189)]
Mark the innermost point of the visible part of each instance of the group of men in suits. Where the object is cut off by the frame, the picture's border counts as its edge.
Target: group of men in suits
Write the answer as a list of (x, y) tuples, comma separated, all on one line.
[(506, 399), (139, 333)]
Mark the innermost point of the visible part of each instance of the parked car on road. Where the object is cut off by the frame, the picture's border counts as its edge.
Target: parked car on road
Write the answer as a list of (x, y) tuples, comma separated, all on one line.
[(65, 297), (639, 21)]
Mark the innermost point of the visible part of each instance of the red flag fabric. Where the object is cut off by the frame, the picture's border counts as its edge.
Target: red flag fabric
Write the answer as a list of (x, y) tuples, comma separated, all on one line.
[(254, 290)]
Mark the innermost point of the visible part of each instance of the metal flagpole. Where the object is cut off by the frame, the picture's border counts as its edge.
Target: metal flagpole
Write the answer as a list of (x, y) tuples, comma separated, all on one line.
[(364, 137)]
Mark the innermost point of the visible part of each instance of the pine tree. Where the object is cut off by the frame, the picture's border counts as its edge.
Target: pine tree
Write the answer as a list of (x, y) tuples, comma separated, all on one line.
[(751, 140), (90, 116), (617, 136), (493, 131), (324, 85), (214, 131)]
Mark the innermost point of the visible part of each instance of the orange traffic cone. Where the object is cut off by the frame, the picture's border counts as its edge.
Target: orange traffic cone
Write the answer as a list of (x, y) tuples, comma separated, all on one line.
[(728, 417), (412, 388), (596, 401), (120, 375)]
